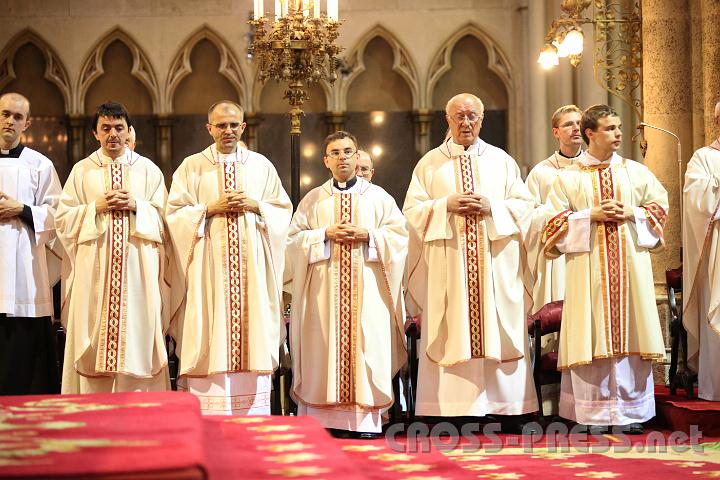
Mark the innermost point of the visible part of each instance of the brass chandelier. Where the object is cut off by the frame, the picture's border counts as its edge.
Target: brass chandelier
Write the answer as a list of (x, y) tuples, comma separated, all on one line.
[(298, 48)]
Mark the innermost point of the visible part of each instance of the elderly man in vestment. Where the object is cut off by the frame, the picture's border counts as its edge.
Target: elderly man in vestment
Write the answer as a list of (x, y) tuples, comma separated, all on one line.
[(468, 209), (347, 249), (29, 194), (606, 214), (115, 306), (228, 216), (701, 265)]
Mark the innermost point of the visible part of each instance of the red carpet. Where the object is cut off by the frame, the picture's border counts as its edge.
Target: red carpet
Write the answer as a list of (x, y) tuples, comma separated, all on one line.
[(161, 435), (678, 413)]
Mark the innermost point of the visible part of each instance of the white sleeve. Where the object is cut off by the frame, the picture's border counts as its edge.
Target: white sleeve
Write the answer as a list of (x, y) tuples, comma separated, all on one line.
[(501, 223), (371, 252), (319, 248), (646, 236), (577, 237)]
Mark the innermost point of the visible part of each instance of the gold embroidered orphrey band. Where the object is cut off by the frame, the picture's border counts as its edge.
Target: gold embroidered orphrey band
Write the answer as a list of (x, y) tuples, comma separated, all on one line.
[(235, 272), (472, 238), (111, 346), (346, 273), (611, 240)]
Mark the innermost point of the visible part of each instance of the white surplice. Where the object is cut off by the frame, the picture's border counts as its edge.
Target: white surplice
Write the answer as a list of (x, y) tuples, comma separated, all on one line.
[(24, 281), (231, 325), (466, 277), (116, 304), (611, 331), (701, 267), (346, 333)]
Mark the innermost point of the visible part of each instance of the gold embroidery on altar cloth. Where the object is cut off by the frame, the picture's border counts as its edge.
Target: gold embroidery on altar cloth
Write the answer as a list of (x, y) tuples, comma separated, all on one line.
[(472, 244), (111, 346)]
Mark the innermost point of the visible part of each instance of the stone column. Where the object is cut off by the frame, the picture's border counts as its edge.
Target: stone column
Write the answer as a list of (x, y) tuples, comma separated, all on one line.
[(252, 119), (537, 122), (335, 121), (422, 120), (698, 97), (667, 92), (163, 145), (711, 64), (77, 125)]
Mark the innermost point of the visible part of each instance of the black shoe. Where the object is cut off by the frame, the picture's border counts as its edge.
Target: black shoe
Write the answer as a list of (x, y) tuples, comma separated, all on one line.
[(366, 435), (337, 433), (520, 424), (594, 429), (632, 429)]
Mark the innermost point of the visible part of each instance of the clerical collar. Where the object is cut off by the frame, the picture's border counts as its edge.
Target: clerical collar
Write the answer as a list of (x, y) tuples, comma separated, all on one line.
[(559, 152), (105, 159), (345, 185), (716, 144), (13, 152)]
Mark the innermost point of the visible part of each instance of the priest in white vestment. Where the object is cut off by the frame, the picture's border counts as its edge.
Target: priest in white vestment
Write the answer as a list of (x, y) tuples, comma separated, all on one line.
[(701, 266), (346, 258), (228, 216), (549, 274), (469, 209), (606, 214), (116, 304), (29, 194)]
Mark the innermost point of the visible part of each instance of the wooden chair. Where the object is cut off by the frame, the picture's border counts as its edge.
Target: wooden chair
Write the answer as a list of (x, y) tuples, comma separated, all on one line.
[(546, 320), (679, 375)]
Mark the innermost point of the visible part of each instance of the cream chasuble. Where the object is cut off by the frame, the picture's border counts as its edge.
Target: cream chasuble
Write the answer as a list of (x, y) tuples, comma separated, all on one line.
[(346, 333), (548, 274), (466, 276), (701, 267), (231, 324), (610, 328), (116, 304)]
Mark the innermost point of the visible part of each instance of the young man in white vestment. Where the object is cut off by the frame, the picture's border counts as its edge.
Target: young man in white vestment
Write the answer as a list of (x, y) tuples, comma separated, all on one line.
[(548, 275), (346, 251), (116, 298), (228, 216), (29, 194), (606, 214), (701, 265), (468, 210)]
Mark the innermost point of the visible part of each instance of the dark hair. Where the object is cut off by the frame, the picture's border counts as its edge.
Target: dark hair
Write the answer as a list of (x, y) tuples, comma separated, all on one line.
[(111, 110), (591, 116), (339, 135)]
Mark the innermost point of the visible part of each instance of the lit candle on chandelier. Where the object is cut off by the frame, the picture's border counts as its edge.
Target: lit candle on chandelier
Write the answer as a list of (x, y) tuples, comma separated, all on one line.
[(332, 9), (258, 9)]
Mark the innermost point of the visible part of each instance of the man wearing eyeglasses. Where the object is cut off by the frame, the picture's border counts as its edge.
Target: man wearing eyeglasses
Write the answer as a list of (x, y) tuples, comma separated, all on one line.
[(364, 167), (468, 207), (228, 216), (348, 243)]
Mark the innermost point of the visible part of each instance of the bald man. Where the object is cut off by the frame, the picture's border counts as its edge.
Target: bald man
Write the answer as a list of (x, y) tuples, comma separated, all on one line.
[(468, 207), (364, 166), (228, 216), (29, 194), (701, 265)]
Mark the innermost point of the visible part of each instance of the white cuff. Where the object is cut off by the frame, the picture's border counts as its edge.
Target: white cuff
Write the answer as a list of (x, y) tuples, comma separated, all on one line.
[(319, 247), (717, 216), (577, 237), (501, 223), (646, 236), (371, 252), (201, 224), (438, 227)]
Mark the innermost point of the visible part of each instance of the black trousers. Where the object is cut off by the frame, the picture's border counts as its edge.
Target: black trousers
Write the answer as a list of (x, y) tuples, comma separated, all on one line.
[(28, 359)]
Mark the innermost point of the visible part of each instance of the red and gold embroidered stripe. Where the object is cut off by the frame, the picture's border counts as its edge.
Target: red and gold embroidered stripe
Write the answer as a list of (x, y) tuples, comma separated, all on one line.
[(555, 228), (235, 276), (613, 256), (656, 215), (345, 272), (472, 229), (111, 347)]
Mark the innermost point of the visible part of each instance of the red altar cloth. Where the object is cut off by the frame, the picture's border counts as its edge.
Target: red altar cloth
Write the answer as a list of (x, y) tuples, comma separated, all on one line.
[(120, 435)]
